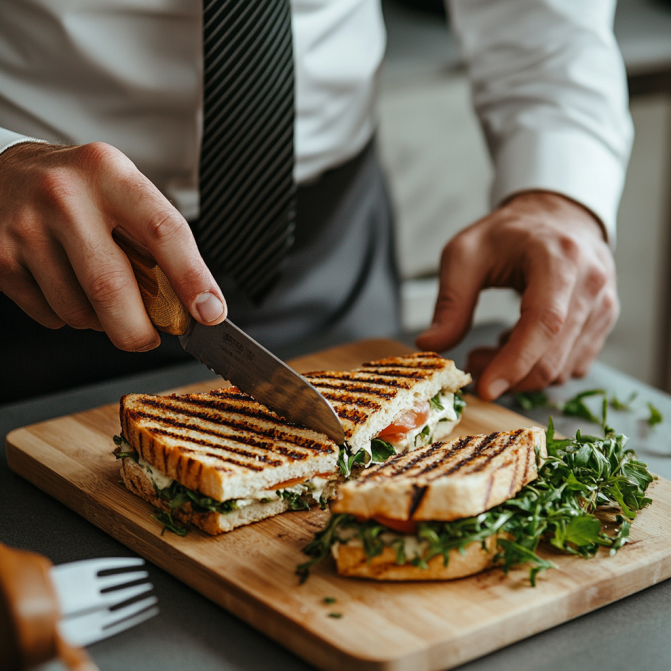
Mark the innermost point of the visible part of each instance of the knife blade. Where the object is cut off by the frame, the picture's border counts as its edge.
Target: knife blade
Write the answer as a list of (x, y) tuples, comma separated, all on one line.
[(229, 351)]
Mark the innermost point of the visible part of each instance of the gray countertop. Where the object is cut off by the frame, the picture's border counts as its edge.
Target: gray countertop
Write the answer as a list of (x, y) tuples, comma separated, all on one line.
[(193, 633)]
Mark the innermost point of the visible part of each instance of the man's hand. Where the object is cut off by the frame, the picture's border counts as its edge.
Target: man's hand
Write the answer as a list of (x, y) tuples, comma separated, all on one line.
[(58, 261), (552, 251)]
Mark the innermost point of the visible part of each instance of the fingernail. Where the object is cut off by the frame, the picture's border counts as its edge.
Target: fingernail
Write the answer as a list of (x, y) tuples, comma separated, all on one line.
[(497, 387), (209, 307), (150, 346)]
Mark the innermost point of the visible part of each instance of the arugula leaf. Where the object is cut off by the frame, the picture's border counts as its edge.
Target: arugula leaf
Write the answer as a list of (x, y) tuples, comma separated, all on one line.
[(655, 416), (178, 495), (165, 518), (529, 400), (575, 407), (381, 450), (435, 403), (420, 438), (624, 406), (459, 402), (346, 461), (129, 455), (296, 500), (578, 476)]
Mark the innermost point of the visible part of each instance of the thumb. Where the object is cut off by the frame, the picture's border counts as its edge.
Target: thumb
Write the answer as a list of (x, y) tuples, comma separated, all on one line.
[(461, 279)]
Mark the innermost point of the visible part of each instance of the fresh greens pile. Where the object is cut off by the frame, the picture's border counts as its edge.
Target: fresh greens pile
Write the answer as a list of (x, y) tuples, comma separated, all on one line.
[(576, 406), (578, 476)]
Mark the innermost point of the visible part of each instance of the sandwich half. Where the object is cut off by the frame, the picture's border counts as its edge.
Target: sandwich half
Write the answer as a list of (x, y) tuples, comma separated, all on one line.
[(392, 406), (422, 515), (220, 460)]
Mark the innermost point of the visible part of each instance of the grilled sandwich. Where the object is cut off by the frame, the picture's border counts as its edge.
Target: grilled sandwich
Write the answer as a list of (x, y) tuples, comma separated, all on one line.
[(451, 482), (221, 460), (393, 405)]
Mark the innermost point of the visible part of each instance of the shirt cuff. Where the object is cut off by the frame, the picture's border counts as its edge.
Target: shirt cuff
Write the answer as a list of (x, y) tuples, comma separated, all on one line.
[(565, 162), (9, 138)]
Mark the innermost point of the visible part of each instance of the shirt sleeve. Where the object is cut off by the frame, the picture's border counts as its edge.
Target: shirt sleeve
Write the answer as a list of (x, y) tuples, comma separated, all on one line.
[(550, 88), (9, 138)]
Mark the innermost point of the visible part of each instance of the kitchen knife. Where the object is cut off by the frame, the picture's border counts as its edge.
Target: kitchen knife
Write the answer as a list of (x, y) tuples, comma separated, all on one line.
[(229, 351)]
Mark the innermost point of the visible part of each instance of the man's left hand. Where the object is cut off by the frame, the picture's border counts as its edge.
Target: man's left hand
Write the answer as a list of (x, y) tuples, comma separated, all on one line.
[(553, 252)]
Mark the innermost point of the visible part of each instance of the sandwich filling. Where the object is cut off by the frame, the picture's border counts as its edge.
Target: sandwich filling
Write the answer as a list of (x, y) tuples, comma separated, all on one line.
[(426, 422), (298, 493)]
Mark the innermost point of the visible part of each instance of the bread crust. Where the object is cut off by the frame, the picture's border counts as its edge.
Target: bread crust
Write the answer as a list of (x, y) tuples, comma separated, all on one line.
[(352, 562), (211, 522)]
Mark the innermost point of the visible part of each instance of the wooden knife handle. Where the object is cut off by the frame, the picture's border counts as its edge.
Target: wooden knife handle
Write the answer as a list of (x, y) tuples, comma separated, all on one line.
[(165, 310)]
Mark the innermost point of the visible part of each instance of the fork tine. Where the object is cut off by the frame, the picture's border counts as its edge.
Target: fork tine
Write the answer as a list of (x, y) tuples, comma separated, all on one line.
[(117, 628), (118, 579), (94, 566), (118, 596), (122, 613), (85, 629)]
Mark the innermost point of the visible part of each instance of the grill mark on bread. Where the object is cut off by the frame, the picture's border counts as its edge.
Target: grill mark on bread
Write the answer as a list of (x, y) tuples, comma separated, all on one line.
[(233, 438), (352, 415), (416, 499), (415, 365), (360, 387), (400, 373), (484, 459), (393, 468), (207, 443), (367, 377), (273, 433), (346, 398), (246, 406), (432, 468)]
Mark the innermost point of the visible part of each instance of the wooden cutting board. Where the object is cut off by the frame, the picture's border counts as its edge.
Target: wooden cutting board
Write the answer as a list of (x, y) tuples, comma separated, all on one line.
[(250, 572)]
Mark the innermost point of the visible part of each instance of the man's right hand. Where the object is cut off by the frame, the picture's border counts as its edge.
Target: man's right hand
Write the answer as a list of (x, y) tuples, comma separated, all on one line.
[(58, 261)]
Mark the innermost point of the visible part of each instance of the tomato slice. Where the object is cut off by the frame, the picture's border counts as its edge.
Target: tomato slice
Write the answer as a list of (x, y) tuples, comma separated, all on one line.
[(402, 526), (288, 483), (412, 419), (297, 481)]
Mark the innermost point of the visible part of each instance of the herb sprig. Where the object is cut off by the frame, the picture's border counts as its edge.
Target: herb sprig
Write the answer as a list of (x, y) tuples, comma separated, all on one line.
[(576, 406), (578, 476)]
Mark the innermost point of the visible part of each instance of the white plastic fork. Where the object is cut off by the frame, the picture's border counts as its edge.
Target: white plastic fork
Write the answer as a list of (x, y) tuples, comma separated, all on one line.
[(80, 588), (86, 599), (88, 628)]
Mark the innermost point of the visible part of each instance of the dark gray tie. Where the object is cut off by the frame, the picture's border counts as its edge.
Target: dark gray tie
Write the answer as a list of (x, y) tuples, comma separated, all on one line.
[(247, 191)]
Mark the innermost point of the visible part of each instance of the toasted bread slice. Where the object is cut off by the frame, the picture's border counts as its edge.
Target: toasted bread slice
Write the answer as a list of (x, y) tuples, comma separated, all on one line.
[(211, 522), (352, 562), (369, 399), (446, 481), (222, 444)]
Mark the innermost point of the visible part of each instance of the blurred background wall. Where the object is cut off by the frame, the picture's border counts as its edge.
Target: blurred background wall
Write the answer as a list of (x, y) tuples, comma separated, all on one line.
[(439, 173)]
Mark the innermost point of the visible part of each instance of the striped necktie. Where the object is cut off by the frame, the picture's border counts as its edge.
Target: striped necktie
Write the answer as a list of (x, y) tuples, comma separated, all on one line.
[(247, 191)]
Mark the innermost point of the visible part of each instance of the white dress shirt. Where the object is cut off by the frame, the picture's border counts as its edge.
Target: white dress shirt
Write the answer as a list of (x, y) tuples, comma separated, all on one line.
[(548, 82)]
